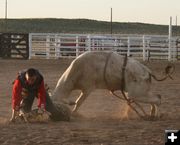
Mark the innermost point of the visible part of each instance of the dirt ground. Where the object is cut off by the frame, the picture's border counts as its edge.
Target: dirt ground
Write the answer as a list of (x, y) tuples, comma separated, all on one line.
[(100, 120)]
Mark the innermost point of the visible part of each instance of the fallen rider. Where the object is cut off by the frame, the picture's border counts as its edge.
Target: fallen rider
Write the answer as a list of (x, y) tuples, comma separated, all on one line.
[(28, 85)]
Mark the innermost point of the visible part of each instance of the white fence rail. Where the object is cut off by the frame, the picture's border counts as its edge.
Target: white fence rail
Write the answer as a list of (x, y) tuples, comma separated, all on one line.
[(50, 45)]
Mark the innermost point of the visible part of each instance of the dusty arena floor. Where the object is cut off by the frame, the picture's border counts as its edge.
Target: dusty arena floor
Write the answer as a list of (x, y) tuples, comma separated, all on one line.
[(100, 120)]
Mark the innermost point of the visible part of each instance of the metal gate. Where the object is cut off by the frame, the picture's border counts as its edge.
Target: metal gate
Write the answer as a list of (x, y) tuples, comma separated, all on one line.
[(14, 45)]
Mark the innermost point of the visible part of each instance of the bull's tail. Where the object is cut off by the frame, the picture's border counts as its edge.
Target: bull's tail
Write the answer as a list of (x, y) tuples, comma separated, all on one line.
[(169, 70)]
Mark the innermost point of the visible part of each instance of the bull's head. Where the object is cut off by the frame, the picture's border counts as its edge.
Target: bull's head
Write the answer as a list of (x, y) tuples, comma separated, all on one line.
[(139, 87), (138, 83)]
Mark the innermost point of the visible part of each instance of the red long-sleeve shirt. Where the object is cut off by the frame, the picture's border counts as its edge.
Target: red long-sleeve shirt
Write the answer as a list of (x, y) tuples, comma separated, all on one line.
[(17, 97)]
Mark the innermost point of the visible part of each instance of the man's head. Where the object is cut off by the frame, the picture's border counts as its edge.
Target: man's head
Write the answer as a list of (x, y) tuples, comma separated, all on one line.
[(31, 76)]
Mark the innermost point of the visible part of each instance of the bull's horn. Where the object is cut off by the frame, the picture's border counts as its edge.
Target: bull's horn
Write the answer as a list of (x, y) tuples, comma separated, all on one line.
[(169, 70)]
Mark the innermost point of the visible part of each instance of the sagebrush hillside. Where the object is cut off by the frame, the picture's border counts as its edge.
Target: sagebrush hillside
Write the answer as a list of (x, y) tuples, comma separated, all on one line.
[(81, 26)]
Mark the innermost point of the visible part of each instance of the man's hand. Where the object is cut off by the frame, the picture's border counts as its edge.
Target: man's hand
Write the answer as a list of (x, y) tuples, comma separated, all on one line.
[(12, 120), (15, 114)]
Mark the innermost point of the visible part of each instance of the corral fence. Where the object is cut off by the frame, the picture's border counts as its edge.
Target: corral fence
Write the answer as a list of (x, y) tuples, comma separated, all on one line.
[(14, 45), (57, 45), (146, 47)]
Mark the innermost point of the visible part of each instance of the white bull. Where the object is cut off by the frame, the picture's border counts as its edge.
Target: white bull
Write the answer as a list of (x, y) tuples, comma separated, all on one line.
[(103, 70)]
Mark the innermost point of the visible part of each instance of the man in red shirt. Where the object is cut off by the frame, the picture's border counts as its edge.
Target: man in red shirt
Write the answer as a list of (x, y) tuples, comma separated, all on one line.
[(28, 85)]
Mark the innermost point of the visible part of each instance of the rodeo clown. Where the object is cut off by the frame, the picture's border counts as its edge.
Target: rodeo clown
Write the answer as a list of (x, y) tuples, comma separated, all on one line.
[(28, 85)]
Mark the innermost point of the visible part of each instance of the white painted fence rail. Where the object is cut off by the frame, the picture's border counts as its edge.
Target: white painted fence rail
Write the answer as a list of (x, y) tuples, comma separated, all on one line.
[(50, 45)]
